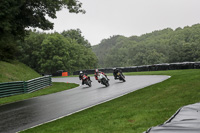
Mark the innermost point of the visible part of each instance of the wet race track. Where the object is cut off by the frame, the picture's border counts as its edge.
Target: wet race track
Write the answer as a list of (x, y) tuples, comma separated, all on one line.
[(29, 113)]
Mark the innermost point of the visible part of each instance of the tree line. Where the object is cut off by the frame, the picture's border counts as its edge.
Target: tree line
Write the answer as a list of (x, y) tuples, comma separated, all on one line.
[(162, 46), (47, 53)]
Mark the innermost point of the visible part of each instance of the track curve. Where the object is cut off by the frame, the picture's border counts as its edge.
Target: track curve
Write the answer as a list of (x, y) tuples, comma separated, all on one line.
[(28, 113)]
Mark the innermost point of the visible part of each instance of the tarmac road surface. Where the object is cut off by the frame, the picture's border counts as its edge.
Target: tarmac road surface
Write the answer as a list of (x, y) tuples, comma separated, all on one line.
[(25, 114)]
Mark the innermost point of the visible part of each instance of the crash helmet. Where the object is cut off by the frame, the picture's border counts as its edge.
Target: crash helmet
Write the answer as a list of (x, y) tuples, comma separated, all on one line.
[(96, 70), (81, 72)]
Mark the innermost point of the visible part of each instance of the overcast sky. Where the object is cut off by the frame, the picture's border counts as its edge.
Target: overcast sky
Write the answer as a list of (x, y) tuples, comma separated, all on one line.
[(105, 18)]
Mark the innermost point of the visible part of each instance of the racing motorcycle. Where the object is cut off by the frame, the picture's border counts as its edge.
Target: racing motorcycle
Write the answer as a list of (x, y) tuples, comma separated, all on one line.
[(102, 78), (87, 81), (121, 77)]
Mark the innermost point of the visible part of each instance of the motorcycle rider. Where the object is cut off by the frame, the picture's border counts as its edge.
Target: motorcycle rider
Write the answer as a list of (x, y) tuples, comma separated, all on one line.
[(116, 71), (81, 75), (97, 72)]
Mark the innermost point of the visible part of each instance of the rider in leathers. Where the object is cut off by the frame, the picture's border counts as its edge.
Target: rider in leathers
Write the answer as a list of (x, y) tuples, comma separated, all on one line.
[(81, 75), (115, 71), (96, 74)]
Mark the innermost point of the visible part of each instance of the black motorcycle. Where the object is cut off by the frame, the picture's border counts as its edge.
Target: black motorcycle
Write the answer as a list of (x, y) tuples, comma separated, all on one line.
[(121, 77)]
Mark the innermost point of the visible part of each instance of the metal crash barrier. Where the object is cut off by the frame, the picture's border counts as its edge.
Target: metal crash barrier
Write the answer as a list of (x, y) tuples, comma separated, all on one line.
[(21, 87)]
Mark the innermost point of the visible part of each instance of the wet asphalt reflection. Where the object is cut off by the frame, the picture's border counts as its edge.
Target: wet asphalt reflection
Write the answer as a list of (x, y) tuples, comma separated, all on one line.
[(25, 114)]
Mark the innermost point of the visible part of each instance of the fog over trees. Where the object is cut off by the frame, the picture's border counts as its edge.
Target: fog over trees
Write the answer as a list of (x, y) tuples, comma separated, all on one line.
[(163, 46)]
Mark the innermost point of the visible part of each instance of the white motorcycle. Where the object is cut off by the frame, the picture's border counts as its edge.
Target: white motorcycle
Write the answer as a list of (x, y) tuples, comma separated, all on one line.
[(103, 79)]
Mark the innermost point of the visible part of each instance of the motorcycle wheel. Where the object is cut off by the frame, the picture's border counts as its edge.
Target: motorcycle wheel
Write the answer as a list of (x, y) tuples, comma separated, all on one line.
[(89, 83), (123, 78), (104, 82), (107, 84)]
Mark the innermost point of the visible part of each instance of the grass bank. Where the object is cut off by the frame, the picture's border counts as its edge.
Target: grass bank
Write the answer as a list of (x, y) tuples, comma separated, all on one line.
[(16, 71), (134, 112)]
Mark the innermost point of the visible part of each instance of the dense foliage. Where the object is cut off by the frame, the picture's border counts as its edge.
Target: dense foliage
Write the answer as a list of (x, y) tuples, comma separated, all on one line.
[(76, 35), (17, 15), (47, 53), (164, 46)]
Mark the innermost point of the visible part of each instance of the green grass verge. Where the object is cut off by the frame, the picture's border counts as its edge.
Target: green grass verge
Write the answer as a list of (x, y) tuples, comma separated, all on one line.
[(56, 87), (16, 71), (134, 112)]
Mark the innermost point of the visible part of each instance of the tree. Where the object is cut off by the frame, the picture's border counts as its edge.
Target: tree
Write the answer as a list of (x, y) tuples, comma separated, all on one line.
[(29, 50), (54, 53), (76, 35), (17, 15), (60, 53)]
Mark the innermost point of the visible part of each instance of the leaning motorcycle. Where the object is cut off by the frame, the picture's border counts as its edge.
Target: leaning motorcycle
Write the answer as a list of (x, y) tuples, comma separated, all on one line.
[(121, 77), (102, 78), (87, 81)]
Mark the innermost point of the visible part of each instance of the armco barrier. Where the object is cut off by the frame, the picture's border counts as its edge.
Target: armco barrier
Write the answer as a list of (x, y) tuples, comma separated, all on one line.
[(20, 87), (38, 83), (155, 67), (197, 65), (143, 68), (11, 88)]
